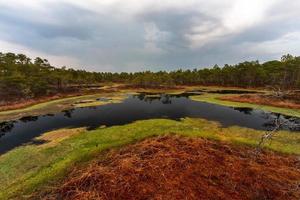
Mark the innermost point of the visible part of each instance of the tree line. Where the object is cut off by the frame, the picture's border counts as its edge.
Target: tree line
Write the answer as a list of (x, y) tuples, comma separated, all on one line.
[(22, 77)]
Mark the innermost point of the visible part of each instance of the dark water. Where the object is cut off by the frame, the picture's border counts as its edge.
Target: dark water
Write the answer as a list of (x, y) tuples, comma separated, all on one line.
[(16, 133)]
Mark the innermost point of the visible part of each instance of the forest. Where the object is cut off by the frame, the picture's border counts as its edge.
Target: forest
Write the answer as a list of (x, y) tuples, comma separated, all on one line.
[(22, 77)]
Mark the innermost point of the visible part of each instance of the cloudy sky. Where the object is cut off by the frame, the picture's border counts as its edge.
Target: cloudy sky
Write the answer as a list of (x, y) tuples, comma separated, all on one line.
[(134, 35)]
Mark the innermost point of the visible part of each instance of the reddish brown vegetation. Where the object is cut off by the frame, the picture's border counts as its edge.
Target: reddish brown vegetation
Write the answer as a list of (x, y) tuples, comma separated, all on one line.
[(23, 103), (264, 100), (158, 87), (181, 168)]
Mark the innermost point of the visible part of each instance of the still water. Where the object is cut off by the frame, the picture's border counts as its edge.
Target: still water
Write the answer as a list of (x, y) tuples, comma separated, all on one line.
[(139, 107)]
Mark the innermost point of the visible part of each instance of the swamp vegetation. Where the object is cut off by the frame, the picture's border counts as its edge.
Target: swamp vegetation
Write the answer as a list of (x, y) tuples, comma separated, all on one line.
[(26, 168), (23, 79), (76, 117)]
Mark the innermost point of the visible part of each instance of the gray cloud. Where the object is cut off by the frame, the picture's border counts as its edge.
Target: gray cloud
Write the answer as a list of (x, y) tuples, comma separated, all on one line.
[(160, 37), (70, 21)]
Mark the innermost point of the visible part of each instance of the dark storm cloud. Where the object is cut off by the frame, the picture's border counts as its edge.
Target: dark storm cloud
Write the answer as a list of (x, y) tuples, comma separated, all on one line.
[(161, 37), (70, 30), (71, 21)]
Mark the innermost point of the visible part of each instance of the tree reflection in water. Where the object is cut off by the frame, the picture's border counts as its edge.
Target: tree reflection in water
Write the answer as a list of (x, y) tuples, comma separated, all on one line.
[(6, 127)]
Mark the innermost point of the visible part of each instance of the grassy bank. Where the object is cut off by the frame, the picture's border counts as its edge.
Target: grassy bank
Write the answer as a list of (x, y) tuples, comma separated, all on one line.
[(54, 106), (214, 98), (26, 168), (115, 92)]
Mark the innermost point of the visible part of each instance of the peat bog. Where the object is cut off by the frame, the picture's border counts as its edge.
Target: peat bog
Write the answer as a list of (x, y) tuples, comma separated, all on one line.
[(136, 107), (156, 168)]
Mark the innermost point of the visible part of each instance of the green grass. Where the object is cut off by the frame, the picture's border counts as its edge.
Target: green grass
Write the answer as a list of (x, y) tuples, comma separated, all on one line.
[(44, 105), (54, 106), (213, 98), (94, 102), (27, 168), (215, 88)]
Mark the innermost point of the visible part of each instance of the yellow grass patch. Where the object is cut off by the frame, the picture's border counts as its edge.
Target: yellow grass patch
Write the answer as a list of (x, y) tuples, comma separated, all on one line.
[(52, 138), (95, 102)]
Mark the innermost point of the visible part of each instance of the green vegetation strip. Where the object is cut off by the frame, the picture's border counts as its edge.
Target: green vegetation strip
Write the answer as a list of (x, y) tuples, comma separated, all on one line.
[(213, 98), (27, 168), (58, 105)]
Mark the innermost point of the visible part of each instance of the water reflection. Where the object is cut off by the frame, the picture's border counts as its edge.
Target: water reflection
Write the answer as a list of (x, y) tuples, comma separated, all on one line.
[(68, 113), (244, 110), (103, 99), (6, 127), (138, 107), (284, 122), (29, 118), (163, 98)]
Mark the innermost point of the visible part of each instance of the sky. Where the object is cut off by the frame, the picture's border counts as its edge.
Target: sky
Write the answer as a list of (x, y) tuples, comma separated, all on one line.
[(138, 35)]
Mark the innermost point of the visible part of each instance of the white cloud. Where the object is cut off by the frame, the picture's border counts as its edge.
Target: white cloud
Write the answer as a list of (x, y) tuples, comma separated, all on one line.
[(241, 15), (245, 13), (154, 37), (288, 43)]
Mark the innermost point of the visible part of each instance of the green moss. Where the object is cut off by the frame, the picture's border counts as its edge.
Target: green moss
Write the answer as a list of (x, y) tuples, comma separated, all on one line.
[(58, 105), (54, 106), (26, 168), (213, 98), (29, 167), (94, 102)]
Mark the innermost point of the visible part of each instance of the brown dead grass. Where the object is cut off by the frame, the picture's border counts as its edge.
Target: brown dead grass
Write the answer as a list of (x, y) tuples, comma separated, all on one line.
[(23, 103), (263, 100), (53, 137), (172, 167)]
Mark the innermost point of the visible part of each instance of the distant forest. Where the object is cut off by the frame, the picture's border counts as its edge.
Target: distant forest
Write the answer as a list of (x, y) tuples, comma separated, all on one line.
[(21, 77)]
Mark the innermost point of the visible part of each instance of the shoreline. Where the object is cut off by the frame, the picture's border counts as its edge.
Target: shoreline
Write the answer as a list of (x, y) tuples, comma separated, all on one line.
[(42, 164), (58, 103), (15, 105)]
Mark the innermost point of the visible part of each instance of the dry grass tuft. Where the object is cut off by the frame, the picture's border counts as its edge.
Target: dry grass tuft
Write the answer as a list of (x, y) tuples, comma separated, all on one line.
[(263, 100), (172, 167)]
